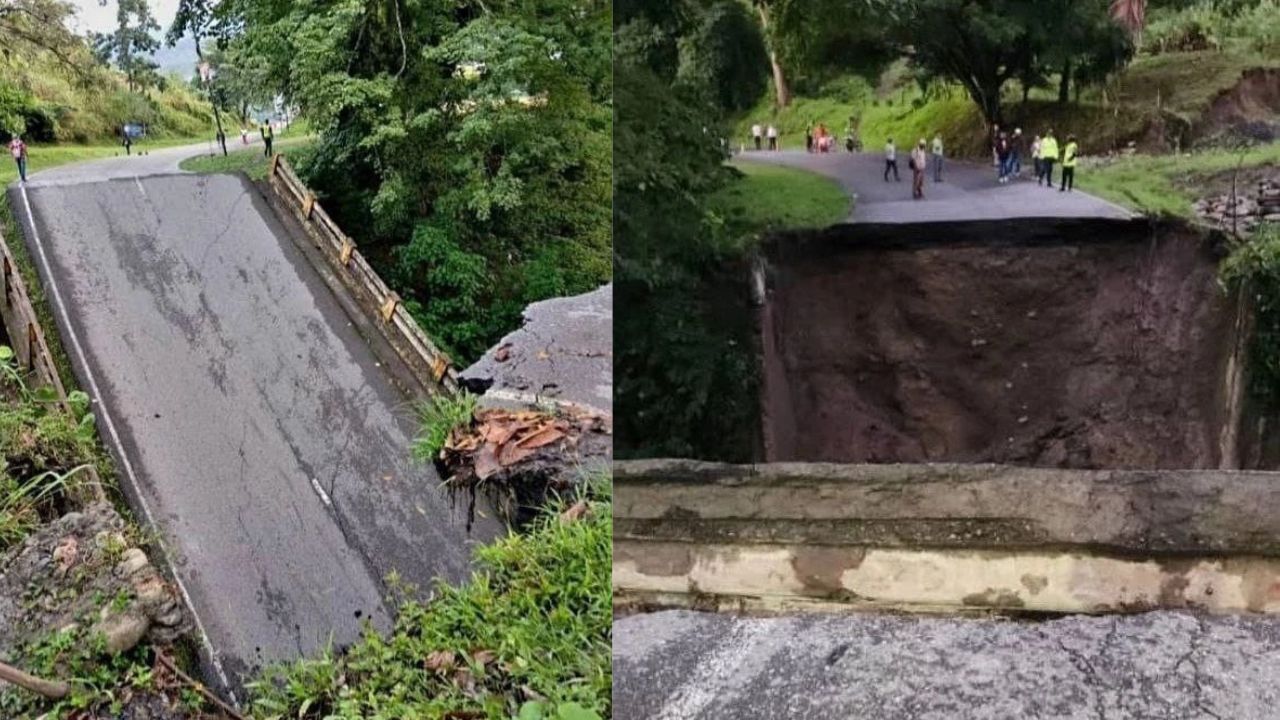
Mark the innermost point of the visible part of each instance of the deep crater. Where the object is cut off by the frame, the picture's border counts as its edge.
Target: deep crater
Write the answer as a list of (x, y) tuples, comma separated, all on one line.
[(1058, 343)]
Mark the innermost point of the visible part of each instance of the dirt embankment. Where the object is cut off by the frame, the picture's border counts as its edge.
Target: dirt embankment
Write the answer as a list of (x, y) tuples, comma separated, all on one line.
[(1083, 344), (1250, 109)]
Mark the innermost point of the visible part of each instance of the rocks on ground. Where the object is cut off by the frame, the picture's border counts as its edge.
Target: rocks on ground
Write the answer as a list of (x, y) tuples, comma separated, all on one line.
[(1246, 210)]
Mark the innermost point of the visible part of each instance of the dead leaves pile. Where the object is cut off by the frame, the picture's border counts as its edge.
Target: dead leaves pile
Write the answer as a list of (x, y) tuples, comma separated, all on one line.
[(499, 440)]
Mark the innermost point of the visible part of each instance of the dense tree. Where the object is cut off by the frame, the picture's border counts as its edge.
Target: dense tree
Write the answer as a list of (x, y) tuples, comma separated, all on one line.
[(725, 58), (132, 43), (983, 44), (464, 142)]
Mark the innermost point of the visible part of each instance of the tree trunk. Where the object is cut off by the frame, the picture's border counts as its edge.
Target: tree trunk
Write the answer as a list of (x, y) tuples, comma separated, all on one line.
[(1064, 85), (780, 87)]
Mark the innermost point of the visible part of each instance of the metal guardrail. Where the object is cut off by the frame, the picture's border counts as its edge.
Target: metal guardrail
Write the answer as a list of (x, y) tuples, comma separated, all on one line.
[(423, 356), (27, 339)]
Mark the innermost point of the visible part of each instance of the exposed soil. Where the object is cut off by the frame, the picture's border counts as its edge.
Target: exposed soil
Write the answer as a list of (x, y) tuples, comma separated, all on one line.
[(1082, 344), (1249, 110)]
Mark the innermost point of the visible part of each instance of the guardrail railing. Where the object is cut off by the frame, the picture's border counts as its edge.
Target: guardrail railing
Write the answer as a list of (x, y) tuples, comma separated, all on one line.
[(27, 338), (422, 355)]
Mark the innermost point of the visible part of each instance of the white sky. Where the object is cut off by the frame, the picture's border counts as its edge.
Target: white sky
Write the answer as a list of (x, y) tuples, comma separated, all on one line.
[(92, 17)]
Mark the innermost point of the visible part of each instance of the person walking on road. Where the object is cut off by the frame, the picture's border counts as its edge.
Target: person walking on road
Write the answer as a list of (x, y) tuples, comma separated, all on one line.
[(244, 136), (1002, 159), (937, 157), (918, 160), (267, 136), (18, 150), (1069, 164), (772, 134), (126, 140), (756, 133), (1035, 157), (891, 161), (1048, 156), (808, 138)]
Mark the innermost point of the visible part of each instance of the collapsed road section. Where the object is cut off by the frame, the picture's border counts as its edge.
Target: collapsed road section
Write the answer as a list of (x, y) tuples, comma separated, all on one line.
[(256, 429), (1085, 343)]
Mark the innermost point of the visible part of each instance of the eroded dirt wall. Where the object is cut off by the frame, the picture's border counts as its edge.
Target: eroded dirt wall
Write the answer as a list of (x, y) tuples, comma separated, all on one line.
[(1084, 344)]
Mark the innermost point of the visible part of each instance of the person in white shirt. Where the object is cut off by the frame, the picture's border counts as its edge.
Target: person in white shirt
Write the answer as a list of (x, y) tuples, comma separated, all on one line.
[(772, 133), (891, 161), (756, 133), (918, 165)]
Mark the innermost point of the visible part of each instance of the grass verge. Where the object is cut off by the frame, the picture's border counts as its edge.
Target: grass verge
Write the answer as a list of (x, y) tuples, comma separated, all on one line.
[(1167, 184), (528, 635), (767, 197), (248, 160)]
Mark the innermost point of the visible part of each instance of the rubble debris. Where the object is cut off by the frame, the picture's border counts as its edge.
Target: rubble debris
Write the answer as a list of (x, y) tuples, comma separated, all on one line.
[(1245, 211)]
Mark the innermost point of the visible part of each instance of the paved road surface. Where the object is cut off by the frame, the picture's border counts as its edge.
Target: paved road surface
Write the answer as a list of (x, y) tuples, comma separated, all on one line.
[(968, 191), (563, 351), (681, 665), (255, 428)]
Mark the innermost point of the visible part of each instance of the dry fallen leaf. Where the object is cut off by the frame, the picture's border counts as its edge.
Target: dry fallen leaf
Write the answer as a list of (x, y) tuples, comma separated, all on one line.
[(502, 353), (574, 513), (486, 463), (440, 660), (484, 657), (545, 436)]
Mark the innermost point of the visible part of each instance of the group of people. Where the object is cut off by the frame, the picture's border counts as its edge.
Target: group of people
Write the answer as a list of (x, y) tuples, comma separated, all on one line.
[(758, 134), (1007, 151), (923, 157)]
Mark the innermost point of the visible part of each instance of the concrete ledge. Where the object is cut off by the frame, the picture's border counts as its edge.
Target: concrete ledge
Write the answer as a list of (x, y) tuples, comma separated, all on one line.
[(943, 537), (1123, 512)]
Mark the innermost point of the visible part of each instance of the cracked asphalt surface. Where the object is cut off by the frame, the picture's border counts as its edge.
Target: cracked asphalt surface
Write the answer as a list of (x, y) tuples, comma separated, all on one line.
[(257, 430), (968, 191), (1162, 665)]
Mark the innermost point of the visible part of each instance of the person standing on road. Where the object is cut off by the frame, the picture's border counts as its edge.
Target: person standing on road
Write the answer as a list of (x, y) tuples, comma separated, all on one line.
[(1002, 159), (244, 136), (1015, 152), (756, 133), (918, 160), (891, 161), (1069, 164), (937, 157), (808, 138), (772, 133), (267, 136), (18, 150), (1035, 157), (1048, 156)]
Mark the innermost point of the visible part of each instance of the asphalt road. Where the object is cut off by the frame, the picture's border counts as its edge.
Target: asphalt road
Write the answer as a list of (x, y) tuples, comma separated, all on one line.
[(680, 665), (968, 191), (255, 429)]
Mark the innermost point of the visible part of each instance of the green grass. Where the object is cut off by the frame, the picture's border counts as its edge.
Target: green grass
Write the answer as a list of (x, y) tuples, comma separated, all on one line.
[(1167, 184), (437, 418), (248, 160), (43, 157), (533, 623), (767, 197)]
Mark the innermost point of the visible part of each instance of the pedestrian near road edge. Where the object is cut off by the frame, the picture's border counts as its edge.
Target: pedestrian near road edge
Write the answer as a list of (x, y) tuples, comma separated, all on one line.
[(756, 133), (808, 139), (937, 157), (891, 161), (126, 140), (918, 160), (1035, 158), (1002, 159), (1069, 152), (1015, 152), (772, 133), (267, 136), (1048, 156), (18, 150)]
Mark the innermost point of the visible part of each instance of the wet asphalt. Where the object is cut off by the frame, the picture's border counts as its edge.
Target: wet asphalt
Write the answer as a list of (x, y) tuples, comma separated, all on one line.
[(254, 428), (968, 191)]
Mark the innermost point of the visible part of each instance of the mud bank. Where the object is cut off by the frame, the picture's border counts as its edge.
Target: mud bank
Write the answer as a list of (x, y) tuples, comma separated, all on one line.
[(1074, 343)]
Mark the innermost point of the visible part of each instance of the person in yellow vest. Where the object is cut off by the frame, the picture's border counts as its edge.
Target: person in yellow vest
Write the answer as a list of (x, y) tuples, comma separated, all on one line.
[(1069, 164), (1048, 156), (267, 135)]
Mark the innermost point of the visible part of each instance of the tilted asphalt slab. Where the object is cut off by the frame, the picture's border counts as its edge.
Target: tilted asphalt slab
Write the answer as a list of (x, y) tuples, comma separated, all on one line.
[(253, 426), (562, 352), (680, 665), (968, 191)]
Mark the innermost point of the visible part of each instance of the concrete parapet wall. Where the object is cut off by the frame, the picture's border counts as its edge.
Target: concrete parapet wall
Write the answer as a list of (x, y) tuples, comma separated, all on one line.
[(930, 537)]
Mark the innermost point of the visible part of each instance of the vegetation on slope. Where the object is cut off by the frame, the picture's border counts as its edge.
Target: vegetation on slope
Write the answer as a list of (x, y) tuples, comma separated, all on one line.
[(528, 636)]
